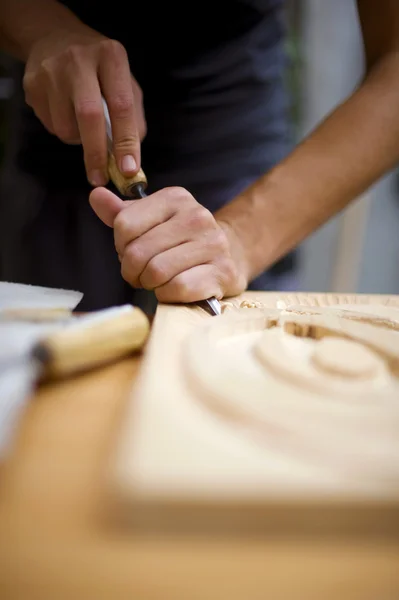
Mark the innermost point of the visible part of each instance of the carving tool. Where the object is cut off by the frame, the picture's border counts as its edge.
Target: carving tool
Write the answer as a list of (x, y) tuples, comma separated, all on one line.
[(135, 188), (90, 341), (42, 348)]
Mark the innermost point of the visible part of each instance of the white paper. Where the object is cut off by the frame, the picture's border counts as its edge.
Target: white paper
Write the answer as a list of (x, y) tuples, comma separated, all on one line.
[(16, 295), (18, 373)]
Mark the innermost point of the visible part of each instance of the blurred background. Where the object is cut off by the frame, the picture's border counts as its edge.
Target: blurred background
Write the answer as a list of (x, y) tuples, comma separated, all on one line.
[(358, 251)]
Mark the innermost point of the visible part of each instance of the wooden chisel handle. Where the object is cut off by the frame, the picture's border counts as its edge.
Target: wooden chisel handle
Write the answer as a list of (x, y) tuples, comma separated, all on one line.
[(125, 185), (92, 341)]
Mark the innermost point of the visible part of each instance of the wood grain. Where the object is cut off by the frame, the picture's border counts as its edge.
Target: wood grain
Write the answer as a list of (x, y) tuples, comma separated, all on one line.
[(94, 341), (215, 443), (54, 543), (121, 182)]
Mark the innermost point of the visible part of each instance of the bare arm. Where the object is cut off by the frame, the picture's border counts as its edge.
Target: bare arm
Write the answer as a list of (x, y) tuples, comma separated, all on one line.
[(169, 243), (353, 147), (25, 22)]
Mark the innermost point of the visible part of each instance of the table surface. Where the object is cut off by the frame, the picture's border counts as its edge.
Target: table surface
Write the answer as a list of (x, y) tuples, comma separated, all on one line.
[(55, 543)]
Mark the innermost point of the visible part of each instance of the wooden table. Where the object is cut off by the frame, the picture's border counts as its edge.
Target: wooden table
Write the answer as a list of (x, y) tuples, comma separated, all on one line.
[(54, 544)]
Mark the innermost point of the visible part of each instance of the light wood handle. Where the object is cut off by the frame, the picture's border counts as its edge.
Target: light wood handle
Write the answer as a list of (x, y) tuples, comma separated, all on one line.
[(93, 341), (122, 183)]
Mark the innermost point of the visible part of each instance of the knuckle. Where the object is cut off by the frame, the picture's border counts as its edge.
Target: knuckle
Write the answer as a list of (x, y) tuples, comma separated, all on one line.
[(126, 142), (113, 48), (178, 196), (47, 67), (154, 274), (199, 218), (29, 82), (177, 192), (88, 109), (126, 272), (74, 53), (121, 105), (228, 268), (227, 271), (183, 289), (135, 255), (221, 242), (122, 224)]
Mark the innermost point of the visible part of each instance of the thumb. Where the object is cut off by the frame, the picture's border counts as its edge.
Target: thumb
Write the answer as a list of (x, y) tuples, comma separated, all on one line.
[(106, 205)]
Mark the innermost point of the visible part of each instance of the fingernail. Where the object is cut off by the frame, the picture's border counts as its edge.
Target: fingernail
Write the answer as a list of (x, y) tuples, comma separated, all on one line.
[(97, 178), (128, 163)]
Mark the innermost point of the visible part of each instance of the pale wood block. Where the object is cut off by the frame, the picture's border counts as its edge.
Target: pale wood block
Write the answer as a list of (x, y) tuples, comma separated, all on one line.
[(254, 421)]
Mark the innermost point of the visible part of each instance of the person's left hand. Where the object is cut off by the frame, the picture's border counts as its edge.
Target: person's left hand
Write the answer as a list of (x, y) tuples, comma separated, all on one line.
[(169, 243)]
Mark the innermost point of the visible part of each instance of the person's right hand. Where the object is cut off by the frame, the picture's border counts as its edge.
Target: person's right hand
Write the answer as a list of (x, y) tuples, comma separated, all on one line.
[(65, 76)]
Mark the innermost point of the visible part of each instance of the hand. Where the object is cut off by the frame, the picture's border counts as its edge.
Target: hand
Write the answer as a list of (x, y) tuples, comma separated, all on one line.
[(64, 76), (171, 244)]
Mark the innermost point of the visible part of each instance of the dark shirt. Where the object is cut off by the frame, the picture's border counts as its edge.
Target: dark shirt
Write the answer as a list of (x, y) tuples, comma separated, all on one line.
[(212, 79), (212, 75)]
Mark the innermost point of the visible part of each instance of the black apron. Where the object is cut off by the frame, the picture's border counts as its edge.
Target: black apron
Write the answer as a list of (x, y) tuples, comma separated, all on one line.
[(212, 75)]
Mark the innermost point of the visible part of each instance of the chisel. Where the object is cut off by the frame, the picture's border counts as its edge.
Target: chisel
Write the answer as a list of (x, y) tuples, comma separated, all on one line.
[(135, 188), (39, 347)]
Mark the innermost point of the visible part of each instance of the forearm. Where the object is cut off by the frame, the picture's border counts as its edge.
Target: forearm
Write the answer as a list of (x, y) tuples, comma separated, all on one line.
[(348, 152), (24, 22)]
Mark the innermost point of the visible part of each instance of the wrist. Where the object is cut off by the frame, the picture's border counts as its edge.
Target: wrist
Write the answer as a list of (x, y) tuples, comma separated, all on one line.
[(24, 24), (248, 223), (266, 220), (238, 253)]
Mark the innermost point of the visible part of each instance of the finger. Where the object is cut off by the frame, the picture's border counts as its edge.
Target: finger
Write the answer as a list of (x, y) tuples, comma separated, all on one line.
[(163, 267), (106, 205), (116, 85), (41, 109), (35, 91), (198, 283), (63, 115), (148, 247), (91, 123), (141, 216), (139, 109)]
